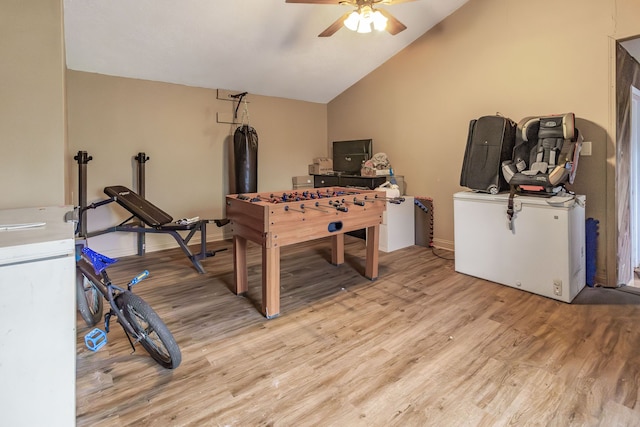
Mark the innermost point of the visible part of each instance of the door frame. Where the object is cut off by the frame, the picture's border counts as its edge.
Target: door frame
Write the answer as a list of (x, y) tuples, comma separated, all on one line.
[(634, 187)]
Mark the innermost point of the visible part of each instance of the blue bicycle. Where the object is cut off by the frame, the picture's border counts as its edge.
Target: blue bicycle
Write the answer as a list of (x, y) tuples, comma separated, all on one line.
[(139, 321)]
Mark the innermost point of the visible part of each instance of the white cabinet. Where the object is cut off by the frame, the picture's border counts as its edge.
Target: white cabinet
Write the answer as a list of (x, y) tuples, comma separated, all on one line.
[(543, 253), (37, 318), (398, 225)]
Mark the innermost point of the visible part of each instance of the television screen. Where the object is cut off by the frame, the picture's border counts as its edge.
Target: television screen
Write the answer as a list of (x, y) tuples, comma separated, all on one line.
[(349, 156)]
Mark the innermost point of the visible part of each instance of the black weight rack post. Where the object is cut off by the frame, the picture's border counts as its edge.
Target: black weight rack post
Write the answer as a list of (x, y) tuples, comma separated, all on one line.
[(141, 159)]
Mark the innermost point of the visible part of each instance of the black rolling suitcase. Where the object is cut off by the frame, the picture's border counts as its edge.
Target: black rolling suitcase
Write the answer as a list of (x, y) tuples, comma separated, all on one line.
[(489, 143)]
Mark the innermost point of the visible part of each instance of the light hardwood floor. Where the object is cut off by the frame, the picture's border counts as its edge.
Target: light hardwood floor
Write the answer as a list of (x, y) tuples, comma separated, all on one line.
[(420, 346)]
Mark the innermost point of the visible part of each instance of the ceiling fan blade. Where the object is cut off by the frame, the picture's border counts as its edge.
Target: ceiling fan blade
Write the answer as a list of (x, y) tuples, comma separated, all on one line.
[(393, 25), (331, 29), (314, 1)]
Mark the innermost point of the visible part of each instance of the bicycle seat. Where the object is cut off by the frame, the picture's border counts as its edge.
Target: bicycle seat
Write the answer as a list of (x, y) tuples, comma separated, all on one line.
[(99, 261)]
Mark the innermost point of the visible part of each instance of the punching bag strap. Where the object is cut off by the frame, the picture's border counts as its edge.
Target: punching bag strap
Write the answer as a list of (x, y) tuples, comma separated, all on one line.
[(245, 113), (239, 97)]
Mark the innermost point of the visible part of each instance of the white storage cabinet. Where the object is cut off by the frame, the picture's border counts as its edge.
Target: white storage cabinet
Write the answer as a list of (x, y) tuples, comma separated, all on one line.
[(398, 225)]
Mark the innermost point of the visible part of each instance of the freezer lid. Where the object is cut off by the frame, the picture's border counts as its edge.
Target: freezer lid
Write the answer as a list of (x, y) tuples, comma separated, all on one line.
[(34, 233), (503, 198)]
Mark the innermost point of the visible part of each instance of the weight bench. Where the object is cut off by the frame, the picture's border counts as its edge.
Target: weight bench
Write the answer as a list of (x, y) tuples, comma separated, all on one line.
[(157, 221)]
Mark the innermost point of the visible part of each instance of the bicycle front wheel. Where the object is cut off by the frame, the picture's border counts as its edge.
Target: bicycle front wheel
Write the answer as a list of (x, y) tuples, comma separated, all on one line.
[(153, 334), (89, 300)]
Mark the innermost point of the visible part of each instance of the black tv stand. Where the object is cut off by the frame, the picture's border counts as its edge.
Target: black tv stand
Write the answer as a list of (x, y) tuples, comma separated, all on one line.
[(344, 180)]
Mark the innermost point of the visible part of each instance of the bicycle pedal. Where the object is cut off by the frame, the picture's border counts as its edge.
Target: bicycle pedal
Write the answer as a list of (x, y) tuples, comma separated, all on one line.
[(95, 339)]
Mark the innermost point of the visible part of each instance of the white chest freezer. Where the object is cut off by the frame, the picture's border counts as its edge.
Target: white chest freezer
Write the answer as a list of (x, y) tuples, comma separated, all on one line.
[(37, 318), (543, 253)]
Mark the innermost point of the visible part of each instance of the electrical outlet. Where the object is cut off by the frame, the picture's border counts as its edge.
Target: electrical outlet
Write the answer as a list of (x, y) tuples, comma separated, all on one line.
[(586, 148), (557, 288)]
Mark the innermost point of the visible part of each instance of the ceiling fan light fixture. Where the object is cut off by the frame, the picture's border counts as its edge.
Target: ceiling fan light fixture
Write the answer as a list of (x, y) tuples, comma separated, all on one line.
[(366, 14), (379, 21), (362, 20), (364, 27), (352, 21)]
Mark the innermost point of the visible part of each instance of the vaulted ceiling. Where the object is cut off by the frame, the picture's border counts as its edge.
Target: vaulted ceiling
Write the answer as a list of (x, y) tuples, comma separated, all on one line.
[(264, 47)]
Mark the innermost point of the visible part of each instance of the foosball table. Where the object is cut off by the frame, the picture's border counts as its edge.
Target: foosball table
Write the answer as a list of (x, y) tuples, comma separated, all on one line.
[(274, 220)]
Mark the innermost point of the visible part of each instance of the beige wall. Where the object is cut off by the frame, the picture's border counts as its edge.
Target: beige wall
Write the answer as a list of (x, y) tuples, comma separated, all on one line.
[(187, 175), (494, 56), (32, 123), (489, 56)]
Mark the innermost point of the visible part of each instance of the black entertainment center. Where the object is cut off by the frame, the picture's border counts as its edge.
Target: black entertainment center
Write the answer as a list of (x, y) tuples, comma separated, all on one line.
[(339, 180), (348, 158)]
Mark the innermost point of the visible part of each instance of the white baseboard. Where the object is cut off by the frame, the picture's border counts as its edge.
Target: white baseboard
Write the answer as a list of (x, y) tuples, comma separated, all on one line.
[(443, 244)]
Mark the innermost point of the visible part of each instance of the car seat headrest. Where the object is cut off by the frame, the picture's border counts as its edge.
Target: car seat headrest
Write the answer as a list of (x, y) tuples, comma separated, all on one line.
[(558, 127)]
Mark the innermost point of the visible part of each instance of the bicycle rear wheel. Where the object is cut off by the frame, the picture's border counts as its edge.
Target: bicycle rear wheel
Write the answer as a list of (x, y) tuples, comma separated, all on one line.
[(154, 334), (89, 300)]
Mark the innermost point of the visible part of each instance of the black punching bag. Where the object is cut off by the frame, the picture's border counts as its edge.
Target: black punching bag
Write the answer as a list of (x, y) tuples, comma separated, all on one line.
[(245, 154)]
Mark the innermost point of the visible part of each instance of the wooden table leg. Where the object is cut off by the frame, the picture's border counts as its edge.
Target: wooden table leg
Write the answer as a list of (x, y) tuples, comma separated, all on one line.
[(271, 282), (337, 249), (373, 240), (240, 265)]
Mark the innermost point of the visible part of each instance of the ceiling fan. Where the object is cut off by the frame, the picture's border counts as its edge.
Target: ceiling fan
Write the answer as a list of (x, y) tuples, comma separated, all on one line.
[(363, 18)]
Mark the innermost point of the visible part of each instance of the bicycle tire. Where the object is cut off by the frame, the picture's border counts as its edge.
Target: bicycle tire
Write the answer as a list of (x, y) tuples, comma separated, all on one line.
[(89, 299), (156, 338)]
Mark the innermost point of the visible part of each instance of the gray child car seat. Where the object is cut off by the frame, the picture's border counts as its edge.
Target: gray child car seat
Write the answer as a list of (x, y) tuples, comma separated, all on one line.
[(545, 155)]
